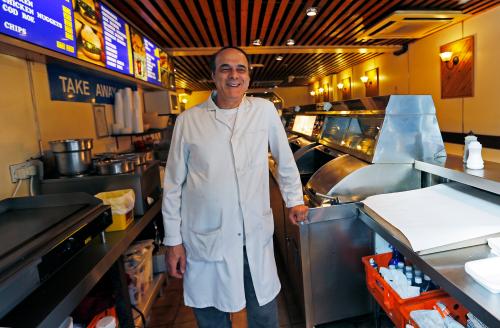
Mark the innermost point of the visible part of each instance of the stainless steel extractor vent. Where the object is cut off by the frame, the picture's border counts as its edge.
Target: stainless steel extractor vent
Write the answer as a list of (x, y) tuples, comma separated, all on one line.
[(412, 24)]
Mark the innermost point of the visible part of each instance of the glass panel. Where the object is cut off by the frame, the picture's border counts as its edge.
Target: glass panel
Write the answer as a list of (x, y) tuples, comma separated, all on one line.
[(304, 124), (362, 134), (334, 129)]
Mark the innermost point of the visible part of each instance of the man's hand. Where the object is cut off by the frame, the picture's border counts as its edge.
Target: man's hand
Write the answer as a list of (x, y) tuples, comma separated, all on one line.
[(176, 260), (297, 214)]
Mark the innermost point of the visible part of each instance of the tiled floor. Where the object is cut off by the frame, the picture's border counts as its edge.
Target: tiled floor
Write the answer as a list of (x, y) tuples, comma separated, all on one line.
[(170, 312)]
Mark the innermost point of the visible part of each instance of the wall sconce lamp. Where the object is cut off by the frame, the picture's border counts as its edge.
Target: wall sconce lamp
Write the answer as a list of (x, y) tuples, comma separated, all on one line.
[(364, 79), (321, 90), (446, 57), (340, 86), (312, 93)]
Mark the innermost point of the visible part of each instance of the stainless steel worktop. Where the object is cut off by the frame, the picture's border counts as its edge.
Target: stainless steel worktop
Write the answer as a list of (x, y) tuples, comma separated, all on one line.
[(447, 268), (453, 168)]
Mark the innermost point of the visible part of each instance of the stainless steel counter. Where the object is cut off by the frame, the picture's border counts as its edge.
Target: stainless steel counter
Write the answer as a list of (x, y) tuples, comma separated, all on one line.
[(447, 270), (453, 168)]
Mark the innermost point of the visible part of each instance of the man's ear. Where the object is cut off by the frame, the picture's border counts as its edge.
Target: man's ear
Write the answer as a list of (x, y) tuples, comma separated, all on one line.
[(213, 76)]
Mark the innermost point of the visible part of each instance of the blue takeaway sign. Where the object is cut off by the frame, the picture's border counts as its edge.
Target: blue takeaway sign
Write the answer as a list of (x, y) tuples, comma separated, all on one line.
[(71, 83)]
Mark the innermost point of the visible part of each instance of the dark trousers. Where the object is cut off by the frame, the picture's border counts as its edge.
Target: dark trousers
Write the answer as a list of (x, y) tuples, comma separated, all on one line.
[(265, 316)]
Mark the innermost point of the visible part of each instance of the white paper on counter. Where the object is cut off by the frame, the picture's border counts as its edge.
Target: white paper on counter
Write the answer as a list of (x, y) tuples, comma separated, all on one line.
[(440, 215)]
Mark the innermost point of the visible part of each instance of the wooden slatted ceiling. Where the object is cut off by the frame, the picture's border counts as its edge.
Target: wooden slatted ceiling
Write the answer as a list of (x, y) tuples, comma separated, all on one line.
[(214, 23)]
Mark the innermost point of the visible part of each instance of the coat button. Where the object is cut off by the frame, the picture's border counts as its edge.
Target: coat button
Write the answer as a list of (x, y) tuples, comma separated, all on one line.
[(239, 233)]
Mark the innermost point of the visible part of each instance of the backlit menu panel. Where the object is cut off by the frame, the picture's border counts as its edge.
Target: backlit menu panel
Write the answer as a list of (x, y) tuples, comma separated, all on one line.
[(116, 42), (90, 31), (152, 61), (48, 23)]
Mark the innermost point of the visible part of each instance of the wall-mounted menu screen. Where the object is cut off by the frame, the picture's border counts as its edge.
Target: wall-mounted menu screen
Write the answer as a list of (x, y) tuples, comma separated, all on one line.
[(152, 61), (117, 42), (48, 23), (90, 31), (304, 124)]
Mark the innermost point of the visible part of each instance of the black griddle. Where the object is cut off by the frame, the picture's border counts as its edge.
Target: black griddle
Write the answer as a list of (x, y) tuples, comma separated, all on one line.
[(32, 226)]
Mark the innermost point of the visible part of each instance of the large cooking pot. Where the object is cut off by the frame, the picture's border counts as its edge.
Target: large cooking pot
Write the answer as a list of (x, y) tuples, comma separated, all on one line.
[(73, 156)]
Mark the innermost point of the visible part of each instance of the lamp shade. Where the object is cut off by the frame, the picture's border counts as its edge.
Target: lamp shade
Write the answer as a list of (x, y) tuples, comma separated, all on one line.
[(446, 56)]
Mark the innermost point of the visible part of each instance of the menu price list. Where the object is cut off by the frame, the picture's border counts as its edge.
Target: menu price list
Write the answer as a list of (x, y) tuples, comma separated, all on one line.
[(152, 61), (116, 42), (48, 23)]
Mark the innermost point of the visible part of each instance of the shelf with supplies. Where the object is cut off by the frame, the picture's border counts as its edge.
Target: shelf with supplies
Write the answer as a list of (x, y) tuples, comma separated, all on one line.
[(145, 133), (148, 132), (447, 268), (52, 302)]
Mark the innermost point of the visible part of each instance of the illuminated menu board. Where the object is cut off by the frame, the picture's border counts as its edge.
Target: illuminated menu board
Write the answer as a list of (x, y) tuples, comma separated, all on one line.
[(48, 23), (90, 31), (116, 42), (152, 61)]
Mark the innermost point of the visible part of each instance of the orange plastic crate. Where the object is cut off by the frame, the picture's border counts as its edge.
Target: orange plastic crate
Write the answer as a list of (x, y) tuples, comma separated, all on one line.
[(397, 309), (457, 311)]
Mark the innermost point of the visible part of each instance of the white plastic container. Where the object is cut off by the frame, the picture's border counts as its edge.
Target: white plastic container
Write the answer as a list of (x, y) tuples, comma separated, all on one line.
[(475, 160)]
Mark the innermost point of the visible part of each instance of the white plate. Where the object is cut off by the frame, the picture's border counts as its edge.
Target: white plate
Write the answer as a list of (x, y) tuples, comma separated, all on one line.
[(486, 272)]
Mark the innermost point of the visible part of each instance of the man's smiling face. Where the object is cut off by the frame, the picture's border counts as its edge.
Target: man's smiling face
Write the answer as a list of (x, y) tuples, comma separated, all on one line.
[(231, 78)]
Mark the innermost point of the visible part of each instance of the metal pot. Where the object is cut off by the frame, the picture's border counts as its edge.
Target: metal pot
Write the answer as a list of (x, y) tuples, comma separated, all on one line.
[(137, 158), (114, 166), (73, 156)]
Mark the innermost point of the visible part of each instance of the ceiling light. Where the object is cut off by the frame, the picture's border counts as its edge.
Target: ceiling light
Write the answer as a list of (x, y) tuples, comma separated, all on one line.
[(290, 42), (257, 42), (312, 11), (278, 58)]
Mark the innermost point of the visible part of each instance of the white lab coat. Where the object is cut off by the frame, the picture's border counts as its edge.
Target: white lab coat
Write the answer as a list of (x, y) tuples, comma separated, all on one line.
[(216, 198)]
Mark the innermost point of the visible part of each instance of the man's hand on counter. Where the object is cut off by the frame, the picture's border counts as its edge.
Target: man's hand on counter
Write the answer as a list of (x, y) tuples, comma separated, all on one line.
[(176, 260), (297, 214)]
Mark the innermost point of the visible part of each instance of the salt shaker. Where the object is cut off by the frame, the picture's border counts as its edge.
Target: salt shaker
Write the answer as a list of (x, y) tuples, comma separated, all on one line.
[(468, 139), (475, 160)]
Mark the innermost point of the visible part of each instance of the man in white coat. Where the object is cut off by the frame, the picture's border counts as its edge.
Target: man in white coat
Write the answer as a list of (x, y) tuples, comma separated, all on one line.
[(216, 207)]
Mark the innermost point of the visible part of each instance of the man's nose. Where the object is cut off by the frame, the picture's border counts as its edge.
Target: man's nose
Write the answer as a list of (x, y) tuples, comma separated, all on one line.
[(233, 74)]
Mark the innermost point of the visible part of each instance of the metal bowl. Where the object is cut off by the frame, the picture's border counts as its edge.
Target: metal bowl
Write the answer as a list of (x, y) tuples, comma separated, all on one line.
[(114, 166)]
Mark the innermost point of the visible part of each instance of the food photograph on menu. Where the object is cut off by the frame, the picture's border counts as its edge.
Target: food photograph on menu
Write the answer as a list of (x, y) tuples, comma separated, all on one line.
[(139, 51), (165, 69), (88, 28)]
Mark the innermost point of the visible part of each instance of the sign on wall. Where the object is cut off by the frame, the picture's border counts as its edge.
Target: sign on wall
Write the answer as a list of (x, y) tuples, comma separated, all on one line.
[(81, 85)]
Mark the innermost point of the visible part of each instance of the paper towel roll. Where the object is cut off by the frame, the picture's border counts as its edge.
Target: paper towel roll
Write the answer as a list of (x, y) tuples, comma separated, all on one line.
[(118, 110), (137, 123), (128, 108)]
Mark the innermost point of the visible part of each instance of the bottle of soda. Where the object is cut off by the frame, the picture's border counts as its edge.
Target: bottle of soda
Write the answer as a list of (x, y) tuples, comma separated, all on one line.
[(427, 284), (409, 277), (396, 256), (418, 283)]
